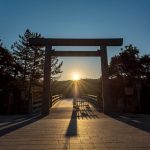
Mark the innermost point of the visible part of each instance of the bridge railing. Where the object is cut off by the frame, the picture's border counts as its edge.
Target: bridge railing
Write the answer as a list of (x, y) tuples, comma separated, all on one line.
[(37, 105), (56, 98), (90, 98)]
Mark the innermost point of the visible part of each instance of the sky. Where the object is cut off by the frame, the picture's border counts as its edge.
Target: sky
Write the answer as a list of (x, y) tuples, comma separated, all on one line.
[(127, 19)]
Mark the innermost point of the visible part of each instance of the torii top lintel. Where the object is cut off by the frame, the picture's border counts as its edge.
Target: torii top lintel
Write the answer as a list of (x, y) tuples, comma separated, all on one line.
[(76, 42)]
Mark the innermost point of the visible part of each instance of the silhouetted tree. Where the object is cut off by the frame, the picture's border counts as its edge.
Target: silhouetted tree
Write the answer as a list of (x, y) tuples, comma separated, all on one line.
[(126, 64), (145, 66), (8, 66), (31, 58), (1, 44), (10, 71)]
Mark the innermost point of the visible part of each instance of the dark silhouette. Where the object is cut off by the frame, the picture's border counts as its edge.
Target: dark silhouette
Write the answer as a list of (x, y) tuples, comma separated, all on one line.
[(130, 74), (72, 128), (21, 72)]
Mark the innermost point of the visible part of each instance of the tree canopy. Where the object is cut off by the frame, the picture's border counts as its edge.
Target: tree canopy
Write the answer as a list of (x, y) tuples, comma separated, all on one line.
[(128, 64), (31, 58), (8, 65)]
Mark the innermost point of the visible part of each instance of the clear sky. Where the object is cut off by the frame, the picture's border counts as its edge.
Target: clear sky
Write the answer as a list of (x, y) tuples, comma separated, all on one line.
[(129, 19)]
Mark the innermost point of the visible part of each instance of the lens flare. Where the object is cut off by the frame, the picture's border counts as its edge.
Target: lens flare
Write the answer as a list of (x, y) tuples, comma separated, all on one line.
[(76, 76)]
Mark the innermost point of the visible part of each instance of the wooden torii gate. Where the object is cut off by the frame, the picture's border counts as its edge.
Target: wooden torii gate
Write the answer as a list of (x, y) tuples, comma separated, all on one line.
[(49, 42)]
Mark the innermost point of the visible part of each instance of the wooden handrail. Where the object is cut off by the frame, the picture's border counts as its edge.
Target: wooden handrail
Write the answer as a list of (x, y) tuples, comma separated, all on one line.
[(37, 105), (91, 98), (55, 98)]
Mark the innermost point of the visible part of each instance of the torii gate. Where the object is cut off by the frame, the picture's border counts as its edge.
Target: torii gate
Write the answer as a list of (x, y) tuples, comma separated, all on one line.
[(49, 42)]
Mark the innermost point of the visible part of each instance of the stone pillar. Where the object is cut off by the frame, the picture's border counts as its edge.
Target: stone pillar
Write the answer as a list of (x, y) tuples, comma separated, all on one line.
[(46, 83), (105, 83)]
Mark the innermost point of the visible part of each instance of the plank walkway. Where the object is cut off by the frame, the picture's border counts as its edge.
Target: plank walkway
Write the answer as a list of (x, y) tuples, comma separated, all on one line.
[(66, 128)]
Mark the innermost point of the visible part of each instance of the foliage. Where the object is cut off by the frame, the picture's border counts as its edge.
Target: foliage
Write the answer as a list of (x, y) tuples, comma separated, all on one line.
[(31, 58), (128, 69), (129, 65), (145, 66), (8, 66)]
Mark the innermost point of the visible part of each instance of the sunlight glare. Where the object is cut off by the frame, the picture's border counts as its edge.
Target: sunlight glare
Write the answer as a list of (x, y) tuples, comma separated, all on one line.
[(76, 76)]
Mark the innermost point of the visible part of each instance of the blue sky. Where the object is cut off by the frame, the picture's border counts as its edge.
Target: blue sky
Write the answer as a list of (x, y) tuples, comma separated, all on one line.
[(129, 19)]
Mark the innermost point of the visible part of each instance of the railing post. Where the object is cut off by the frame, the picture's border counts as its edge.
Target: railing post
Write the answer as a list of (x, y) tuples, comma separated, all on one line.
[(105, 82), (46, 83), (99, 95)]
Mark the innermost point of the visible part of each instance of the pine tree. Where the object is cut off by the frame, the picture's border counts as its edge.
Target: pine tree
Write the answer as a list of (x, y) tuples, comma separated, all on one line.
[(126, 64), (8, 66), (31, 59)]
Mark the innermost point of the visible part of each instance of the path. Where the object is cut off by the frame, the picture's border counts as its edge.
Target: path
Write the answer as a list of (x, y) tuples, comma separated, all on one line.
[(65, 128)]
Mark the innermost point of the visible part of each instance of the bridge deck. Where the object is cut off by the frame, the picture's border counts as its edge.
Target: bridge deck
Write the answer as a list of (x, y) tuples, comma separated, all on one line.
[(66, 128), (64, 110)]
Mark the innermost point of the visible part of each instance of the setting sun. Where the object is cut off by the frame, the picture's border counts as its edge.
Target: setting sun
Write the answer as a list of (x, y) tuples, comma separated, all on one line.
[(75, 76)]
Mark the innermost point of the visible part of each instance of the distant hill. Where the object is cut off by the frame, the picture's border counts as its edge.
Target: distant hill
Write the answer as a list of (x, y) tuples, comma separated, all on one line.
[(85, 86)]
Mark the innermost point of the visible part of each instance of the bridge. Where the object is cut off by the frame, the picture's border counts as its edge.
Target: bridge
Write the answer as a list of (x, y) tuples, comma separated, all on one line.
[(82, 127)]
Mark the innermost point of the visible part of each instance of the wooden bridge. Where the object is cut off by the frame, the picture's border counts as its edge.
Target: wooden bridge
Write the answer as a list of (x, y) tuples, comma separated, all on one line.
[(85, 100), (83, 127)]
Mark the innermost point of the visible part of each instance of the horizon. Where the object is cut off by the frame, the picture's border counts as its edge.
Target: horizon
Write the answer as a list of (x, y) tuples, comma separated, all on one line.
[(80, 79)]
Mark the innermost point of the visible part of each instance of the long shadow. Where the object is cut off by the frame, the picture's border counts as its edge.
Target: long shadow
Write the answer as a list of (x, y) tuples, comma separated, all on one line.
[(19, 122), (72, 128), (85, 112), (79, 113), (139, 121), (94, 105)]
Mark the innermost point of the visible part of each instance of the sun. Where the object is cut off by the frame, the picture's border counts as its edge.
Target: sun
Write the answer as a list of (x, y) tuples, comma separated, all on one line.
[(76, 76)]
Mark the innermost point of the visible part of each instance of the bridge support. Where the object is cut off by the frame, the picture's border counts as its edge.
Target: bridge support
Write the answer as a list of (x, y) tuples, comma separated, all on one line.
[(105, 82), (47, 101)]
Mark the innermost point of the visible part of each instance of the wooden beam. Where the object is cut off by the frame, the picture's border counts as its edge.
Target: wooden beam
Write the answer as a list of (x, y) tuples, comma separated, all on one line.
[(76, 42), (47, 83), (76, 53), (107, 107)]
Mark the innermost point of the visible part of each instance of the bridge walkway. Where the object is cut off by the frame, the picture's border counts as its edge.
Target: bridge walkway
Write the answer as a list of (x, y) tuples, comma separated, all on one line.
[(68, 128)]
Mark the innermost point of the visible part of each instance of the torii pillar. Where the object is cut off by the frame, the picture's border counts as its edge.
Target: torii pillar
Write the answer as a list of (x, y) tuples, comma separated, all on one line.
[(47, 99), (107, 106)]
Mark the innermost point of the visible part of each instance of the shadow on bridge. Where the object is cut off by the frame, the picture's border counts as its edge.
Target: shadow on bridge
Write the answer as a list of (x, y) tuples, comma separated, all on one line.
[(86, 113), (11, 124), (79, 113), (72, 128)]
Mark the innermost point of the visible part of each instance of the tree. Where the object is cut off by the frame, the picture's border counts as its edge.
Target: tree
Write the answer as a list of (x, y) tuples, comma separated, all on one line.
[(28, 57), (126, 64), (8, 66), (31, 58), (1, 44), (145, 66)]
